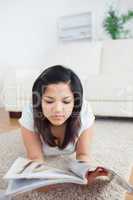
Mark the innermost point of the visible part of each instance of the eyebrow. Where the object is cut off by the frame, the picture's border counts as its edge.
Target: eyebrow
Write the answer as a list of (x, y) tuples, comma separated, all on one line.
[(54, 98)]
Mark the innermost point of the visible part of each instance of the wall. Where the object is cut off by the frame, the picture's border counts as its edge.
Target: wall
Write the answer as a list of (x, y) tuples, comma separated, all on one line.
[(28, 29)]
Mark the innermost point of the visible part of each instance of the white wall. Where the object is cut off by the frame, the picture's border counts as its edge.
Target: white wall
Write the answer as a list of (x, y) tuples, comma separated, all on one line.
[(28, 29)]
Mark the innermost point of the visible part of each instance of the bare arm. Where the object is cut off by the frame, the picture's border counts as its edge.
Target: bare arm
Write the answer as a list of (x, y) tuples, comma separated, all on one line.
[(83, 153), (33, 144), (83, 145)]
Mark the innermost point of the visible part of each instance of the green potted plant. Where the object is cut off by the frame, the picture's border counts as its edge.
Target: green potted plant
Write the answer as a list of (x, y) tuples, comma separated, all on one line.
[(114, 23)]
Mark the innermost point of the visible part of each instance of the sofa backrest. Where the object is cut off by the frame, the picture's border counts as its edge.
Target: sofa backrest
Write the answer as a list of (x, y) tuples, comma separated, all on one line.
[(17, 90), (117, 57), (82, 56)]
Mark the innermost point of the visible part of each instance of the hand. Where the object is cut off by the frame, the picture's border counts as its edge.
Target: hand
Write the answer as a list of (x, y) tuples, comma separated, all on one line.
[(100, 171)]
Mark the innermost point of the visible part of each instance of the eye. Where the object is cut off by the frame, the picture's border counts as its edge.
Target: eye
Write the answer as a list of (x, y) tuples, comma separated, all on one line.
[(66, 102), (49, 102)]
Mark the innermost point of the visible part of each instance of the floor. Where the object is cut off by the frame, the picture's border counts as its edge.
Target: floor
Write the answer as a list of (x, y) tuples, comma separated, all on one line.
[(7, 124)]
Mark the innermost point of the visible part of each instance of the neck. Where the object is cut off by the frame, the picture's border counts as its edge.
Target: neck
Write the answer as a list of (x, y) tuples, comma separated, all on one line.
[(58, 131)]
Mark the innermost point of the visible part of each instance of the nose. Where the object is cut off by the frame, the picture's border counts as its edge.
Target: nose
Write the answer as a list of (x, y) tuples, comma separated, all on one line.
[(58, 108)]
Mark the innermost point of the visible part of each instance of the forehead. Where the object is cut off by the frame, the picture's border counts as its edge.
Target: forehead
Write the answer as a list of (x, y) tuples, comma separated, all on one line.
[(60, 89)]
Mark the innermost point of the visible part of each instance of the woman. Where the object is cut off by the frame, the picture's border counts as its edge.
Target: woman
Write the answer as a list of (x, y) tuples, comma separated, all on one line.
[(58, 121)]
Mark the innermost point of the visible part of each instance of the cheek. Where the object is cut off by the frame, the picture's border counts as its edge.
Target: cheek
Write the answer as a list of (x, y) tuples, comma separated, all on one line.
[(46, 109), (68, 109)]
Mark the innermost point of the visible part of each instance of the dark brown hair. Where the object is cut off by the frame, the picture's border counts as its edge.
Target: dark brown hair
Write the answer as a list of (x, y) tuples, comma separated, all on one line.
[(54, 75)]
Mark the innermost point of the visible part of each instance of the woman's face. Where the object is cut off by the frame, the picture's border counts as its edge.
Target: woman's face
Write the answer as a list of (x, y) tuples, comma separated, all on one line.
[(57, 103)]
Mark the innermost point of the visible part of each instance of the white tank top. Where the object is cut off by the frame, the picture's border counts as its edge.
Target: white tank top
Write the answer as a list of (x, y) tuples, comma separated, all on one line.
[(87, 119)]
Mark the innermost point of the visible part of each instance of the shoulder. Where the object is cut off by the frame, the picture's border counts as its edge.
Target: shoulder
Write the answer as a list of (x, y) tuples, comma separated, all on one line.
[(26, 119), (87, 116)]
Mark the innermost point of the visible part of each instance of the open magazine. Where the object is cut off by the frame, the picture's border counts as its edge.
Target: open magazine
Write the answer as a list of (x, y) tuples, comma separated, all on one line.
[(26, 175)]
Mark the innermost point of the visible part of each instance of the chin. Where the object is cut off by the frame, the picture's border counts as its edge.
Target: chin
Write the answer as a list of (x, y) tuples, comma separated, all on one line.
[(57, 123)]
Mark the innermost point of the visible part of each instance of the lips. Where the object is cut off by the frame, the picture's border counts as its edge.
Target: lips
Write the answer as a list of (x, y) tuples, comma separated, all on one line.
[(58, 116)]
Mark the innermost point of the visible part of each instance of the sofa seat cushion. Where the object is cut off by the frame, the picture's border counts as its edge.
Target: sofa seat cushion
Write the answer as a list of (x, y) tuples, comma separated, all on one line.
[(112, 108)]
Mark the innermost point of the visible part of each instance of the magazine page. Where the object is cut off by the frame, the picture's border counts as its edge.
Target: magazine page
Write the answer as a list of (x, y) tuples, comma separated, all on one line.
[(120, 181), (25, 176), (3, 196), (24, 168), (81, 168), (24, 185)]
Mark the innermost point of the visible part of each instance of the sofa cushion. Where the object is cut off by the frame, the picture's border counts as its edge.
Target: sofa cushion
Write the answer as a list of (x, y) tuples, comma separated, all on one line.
[(117, 57), (109, 87), (112, 108), (17, 89)]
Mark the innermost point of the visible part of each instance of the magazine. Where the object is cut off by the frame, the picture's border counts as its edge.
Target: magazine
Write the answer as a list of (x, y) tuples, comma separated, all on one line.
[(25, 175)]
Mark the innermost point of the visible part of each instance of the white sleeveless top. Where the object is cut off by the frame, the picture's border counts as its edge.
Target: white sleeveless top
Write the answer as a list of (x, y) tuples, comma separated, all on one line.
[(87, 119)]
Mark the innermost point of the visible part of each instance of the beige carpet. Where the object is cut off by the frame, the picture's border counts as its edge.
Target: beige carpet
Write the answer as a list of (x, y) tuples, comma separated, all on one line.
[(112, 146)]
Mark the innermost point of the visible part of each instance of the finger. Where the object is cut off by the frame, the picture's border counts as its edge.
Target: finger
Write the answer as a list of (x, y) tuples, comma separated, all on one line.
[(101, 169), (102, 174)]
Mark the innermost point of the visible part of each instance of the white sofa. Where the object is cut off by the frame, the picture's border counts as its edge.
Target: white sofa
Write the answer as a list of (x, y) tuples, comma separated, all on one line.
[(105, 69), (111, 91), (17, 91)]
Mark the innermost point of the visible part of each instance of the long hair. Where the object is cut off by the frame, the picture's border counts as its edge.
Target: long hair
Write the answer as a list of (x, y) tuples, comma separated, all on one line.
[(54, 75)]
